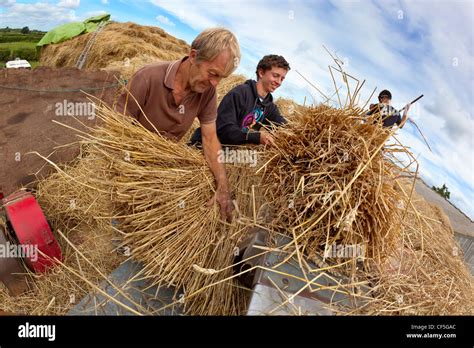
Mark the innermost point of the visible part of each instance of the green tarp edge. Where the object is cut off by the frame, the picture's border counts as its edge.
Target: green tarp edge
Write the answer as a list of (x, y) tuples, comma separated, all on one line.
[(70, 30)]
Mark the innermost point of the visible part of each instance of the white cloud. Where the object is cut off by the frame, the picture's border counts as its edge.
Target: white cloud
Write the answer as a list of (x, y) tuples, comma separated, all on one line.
[(189, 15), (165, 20), (39, 15), (7, 3), (105, 2), (93, 14), (69, 3)]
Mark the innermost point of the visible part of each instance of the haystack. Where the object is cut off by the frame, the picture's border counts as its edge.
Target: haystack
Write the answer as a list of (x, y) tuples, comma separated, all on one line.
[(116, 46)]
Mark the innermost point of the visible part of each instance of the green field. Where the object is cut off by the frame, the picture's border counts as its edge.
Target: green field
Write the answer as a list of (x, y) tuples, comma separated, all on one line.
[(14, 43), (18, 45), (15, 35)]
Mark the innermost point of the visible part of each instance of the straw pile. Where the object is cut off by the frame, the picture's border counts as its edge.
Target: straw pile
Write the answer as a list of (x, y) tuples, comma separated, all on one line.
[(115, 47), (157, 191), (160, 188), (159, 195), (333, 181), (227, 84), (329, 180), (128, 67), (427, 274), (56, 292), (85, 240)]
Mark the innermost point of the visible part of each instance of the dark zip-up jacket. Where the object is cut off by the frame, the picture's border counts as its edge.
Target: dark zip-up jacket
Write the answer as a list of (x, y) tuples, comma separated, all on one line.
[(241, 114)]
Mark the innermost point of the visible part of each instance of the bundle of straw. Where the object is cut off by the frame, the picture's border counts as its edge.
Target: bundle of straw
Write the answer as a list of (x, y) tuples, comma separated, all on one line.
[(330, 182), (159, 191), (162, 188), (70, 196)]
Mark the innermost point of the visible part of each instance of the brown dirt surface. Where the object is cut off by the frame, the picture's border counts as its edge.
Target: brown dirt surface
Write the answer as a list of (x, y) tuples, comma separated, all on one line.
[(28, 101)]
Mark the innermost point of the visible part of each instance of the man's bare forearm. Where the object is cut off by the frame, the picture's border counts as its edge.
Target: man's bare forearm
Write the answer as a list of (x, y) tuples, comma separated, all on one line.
[(211, 148)]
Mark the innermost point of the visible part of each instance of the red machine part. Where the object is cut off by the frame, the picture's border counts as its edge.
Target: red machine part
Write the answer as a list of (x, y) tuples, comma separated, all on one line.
[(31, 229)]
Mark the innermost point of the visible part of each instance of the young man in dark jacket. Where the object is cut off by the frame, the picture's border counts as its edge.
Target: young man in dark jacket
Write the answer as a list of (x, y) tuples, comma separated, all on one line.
[(249, 106)]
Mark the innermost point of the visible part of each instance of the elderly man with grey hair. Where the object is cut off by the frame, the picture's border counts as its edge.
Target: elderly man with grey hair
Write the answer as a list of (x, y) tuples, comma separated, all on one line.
[(168, 96)]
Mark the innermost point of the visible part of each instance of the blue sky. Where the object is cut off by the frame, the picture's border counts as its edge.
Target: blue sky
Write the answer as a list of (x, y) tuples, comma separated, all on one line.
[(409, 47)]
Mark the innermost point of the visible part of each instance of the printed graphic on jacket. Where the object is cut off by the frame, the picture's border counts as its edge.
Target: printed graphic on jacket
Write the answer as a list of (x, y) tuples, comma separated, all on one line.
[(252, 119), (388, 110)]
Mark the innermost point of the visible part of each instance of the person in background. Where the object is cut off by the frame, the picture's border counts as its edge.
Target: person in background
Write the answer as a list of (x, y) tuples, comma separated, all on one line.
[(390, 116), (248, 107)]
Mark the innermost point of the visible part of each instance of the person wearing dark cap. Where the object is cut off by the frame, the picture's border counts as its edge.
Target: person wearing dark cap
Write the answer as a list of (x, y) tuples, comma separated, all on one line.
[(245, 111), (390, 116)]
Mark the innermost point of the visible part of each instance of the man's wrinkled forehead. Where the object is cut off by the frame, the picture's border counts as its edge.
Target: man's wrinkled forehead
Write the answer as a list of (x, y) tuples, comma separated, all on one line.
[(220, 64)]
